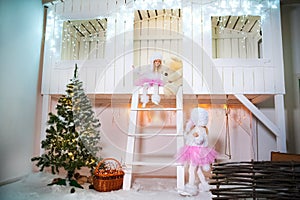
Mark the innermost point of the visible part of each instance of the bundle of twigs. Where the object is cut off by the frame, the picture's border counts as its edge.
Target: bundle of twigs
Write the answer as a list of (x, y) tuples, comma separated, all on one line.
[(261, 179)]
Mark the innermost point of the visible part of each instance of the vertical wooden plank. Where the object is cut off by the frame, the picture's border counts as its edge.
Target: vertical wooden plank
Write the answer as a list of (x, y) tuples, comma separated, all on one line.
[(238, 83), (280, 121), (90, 82), (44, 119), (208, 67), (151, 33), (267, 35), (152, 23), (144, 57), (214, 43), (235, 48), (227, 48), (269, 80), (81, 49), (137, 53), (76, 6), (58, 29), (119, 49), (227, 79), (137, 43), (187, 49), (242, 48), (100, 48), (109, 78), (68, 6), (53, 82), (68, 45), (249, 48), (111, 5), (59, 8), (159, 31), (93, 49), (259, 83), (207, 34), (63, 79), (100, 79), (128, 59), (47, 65), (83, 75), (85, 6), (248, 79), (72, 49), (110, 55), (95, 6), (277, 53), (197, 50), (221, 48), (166, 48)]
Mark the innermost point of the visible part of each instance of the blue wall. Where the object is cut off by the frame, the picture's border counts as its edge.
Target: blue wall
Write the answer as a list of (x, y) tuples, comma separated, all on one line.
[(20, 43)]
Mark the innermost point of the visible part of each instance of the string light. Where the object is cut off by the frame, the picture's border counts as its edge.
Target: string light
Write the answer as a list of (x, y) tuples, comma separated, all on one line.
[(56, 25)]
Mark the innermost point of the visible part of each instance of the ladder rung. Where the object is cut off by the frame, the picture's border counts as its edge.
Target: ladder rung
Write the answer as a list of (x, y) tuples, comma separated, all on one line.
[(151, 134), (141, 163), (157, 109)]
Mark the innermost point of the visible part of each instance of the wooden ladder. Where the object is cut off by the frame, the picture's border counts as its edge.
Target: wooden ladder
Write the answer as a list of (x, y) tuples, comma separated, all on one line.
[(132, 136)]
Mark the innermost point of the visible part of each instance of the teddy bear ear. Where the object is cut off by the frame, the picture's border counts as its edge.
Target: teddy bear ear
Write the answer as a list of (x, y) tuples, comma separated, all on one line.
[(174, 63)]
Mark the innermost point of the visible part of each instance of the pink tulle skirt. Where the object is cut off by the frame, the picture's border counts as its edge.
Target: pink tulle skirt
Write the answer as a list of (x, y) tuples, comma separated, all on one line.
[(196, 155), (150, 78)]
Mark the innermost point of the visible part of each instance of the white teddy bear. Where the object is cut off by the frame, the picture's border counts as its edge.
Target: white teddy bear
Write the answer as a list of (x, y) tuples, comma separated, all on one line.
[(172, 75), (196, 152)]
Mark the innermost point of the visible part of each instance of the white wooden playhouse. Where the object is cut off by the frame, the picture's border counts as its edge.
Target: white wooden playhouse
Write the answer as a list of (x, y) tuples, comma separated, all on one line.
[(231, 52)]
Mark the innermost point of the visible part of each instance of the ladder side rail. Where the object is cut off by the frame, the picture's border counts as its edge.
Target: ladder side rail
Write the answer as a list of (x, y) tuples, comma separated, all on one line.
[(180, 139), (131, 140)]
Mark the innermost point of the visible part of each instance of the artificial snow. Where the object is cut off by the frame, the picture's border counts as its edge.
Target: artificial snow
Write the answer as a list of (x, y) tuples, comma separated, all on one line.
[(34, 186)]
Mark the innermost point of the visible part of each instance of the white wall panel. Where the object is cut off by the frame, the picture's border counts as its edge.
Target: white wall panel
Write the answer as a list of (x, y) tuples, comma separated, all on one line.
[(77, 5), (227, 79), (248, 81), (269, 80), (238, 80), (187, 48), (259, 76)]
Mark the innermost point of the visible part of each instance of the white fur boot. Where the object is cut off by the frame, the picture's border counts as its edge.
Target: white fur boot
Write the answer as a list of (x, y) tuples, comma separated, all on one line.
[(155, 98), (144, 100), (189, 190), (204, 187)]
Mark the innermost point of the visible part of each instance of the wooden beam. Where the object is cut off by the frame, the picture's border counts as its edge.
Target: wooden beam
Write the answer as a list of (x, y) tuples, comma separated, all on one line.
[(269, 124), (48, 2), (280, 121)]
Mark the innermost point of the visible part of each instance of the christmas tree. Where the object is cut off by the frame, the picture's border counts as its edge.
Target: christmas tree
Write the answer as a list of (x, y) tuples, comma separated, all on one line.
[(72, 138)]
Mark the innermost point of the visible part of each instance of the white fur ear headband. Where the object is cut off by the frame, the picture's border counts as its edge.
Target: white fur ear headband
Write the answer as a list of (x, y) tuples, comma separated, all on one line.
[(199, 117)]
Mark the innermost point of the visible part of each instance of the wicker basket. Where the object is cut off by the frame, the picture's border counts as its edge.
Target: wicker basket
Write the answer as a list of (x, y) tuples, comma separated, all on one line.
[(108, 175)]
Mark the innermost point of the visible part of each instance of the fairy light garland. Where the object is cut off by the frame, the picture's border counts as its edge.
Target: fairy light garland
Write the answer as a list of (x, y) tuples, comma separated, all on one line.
[(242, 8)]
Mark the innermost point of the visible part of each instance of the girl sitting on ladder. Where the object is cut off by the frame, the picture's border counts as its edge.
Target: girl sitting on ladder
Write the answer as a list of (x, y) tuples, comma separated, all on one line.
[(152, 78)]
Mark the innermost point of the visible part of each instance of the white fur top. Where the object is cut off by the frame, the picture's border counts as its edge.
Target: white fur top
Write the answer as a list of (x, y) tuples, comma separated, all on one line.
[(200, 140)]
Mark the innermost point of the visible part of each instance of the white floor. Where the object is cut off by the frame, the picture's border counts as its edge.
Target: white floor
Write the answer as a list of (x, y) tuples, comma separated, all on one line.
[(34, 186)]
